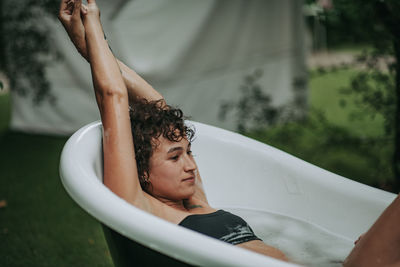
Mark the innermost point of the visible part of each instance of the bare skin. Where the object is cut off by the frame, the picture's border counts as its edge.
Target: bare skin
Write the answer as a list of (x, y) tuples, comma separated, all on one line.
[(177, 190), (380, 246)]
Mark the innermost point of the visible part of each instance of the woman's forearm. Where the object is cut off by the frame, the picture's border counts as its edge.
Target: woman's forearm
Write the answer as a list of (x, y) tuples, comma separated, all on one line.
[(136, 85), (105, 70)]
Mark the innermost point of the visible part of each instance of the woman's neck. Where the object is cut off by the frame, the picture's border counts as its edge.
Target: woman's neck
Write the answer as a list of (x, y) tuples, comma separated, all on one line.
[(176, 204)]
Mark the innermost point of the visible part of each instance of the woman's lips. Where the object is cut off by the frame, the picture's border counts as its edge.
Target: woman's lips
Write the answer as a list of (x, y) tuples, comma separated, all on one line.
[(189, 179)]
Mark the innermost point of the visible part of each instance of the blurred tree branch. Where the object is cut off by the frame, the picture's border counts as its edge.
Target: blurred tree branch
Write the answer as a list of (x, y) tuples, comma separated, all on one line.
[(2, 52), (388, 13), (27, 46), (376, 22)]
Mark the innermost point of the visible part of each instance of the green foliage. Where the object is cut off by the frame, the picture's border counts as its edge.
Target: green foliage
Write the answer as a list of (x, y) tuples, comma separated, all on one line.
[(375, 92), (28, 46), (378, 86), (335, 148), (360, 21), (254, 106), (372, 91)]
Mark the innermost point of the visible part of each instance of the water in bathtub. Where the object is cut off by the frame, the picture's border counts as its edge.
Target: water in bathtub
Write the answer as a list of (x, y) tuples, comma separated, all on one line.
[(302, 242)]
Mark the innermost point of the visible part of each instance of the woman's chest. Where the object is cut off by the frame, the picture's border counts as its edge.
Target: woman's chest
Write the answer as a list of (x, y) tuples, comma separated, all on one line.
[(175, 215)]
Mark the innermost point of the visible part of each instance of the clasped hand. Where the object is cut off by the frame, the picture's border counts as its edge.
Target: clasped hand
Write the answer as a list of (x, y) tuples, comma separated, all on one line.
[(73, 15)]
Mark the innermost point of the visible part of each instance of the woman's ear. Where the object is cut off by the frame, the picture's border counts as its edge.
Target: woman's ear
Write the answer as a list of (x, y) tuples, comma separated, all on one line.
[(146, 177)]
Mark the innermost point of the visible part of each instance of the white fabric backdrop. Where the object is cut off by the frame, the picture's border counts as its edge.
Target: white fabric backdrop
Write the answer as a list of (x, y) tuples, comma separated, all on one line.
[(196, 53)]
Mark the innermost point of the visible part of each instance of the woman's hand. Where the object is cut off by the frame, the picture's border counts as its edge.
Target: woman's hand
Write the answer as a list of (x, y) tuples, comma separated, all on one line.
[(91, 10), (73, 14), (70, 17)]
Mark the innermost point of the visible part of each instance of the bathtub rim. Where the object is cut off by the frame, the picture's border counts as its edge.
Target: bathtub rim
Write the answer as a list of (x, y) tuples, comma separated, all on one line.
[(152, 232)]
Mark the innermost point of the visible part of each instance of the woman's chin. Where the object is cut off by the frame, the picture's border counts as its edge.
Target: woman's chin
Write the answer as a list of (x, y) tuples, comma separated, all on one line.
[(189, 194)]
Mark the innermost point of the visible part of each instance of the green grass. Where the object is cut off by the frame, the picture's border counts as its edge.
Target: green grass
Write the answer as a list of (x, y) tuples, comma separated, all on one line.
[(41, 225), (325, 95), (351, 48)]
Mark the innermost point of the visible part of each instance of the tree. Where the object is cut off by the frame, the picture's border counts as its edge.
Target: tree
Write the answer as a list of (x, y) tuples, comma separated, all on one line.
[(26, 46), (376, 22)]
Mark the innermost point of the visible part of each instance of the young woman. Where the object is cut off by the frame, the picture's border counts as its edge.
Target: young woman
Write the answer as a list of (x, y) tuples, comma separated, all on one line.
[(147, 156)]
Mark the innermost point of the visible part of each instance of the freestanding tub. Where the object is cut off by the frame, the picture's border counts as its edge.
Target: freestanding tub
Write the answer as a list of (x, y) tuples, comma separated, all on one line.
[(238, 173)]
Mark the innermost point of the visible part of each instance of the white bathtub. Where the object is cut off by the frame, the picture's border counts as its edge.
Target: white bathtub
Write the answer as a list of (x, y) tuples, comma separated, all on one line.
[(238, 173)]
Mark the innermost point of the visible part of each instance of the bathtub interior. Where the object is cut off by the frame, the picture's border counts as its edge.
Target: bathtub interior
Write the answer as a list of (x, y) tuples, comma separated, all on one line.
[(238, 173), (241, 172)]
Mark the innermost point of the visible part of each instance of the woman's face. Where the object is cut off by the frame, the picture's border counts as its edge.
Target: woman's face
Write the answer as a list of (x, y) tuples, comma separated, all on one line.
[(172, 170)]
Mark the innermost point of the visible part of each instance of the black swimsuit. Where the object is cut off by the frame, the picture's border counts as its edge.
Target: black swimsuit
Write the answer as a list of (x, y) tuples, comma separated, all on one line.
[(222, 225)]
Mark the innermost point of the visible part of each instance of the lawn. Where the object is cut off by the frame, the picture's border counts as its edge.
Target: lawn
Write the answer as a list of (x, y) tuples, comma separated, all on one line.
[(40, 225), (325, 95)]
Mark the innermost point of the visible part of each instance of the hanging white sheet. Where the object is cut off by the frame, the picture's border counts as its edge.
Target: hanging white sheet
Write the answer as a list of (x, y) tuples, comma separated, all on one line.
[(196, 53)]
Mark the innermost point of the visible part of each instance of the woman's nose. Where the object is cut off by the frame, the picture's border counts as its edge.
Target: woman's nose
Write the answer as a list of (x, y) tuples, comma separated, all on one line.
[(190, 164)]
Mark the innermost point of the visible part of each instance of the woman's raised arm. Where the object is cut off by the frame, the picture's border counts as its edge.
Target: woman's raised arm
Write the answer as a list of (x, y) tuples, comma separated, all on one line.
[(136, 85), (71, 20), (120, 170)]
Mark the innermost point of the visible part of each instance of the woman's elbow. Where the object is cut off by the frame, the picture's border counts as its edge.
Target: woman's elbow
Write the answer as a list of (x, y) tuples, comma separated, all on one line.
[(111, 96), (110, 90)]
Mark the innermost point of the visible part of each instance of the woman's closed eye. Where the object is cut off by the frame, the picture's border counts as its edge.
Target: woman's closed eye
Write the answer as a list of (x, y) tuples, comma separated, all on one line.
[(190, 153), (174, 158)]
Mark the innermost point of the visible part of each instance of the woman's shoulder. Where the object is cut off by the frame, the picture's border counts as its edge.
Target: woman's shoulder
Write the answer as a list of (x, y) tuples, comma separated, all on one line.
[(193, 206)]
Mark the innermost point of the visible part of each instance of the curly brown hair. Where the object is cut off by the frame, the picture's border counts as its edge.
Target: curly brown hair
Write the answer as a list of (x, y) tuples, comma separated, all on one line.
[(149, 121)]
